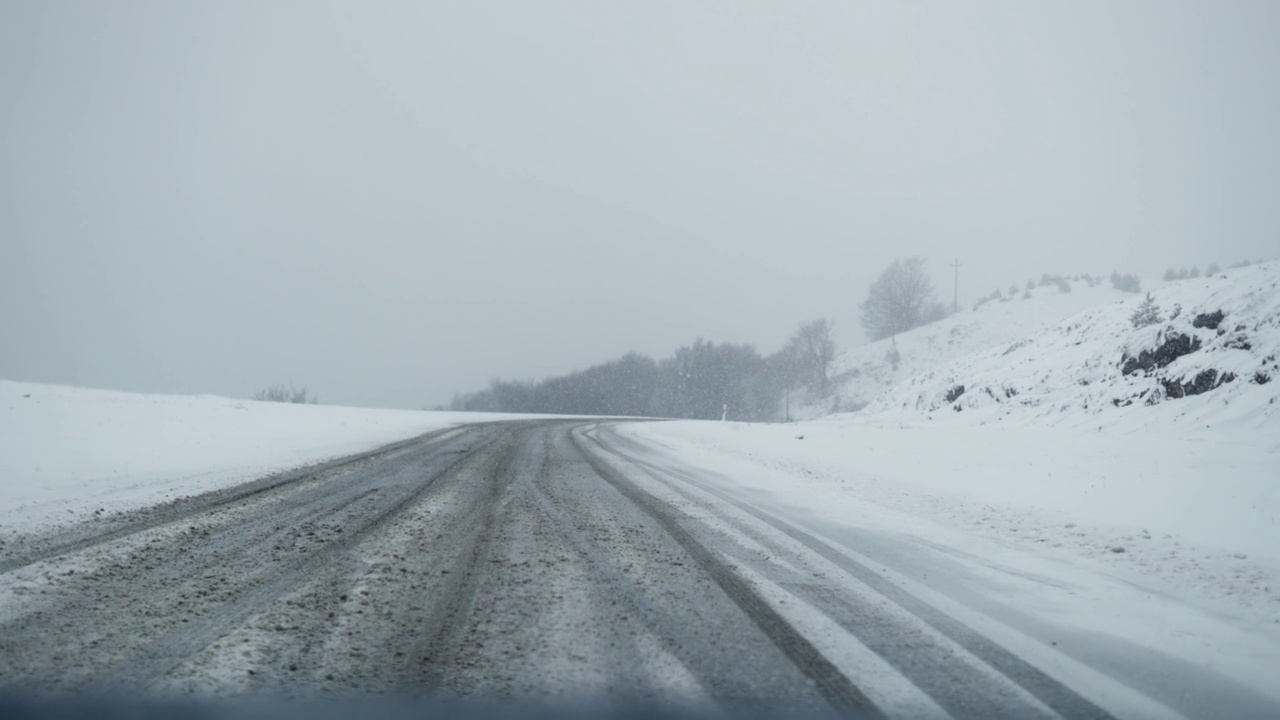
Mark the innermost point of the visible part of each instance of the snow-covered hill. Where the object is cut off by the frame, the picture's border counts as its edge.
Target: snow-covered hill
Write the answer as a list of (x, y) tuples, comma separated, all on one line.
[(865, 372), (1211, 359)]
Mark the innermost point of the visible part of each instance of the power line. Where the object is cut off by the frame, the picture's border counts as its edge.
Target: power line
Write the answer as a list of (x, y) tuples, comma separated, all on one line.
[(955, 303)]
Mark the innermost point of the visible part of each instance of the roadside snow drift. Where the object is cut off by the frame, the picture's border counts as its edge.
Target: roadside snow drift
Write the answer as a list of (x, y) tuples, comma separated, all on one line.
[(66, 452)]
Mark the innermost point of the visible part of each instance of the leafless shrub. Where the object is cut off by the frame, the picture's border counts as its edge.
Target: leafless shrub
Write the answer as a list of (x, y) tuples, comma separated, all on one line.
[(286, 394)]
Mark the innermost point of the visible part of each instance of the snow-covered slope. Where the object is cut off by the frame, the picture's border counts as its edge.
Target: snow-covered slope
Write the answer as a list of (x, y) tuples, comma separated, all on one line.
[(1211, 360), (1148, 454), (1084, 439), (867, 371), (66, 452)]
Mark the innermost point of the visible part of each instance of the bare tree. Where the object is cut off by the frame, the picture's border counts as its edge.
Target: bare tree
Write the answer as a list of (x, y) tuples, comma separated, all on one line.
[(286, 394), (811, 351), (902, 298)]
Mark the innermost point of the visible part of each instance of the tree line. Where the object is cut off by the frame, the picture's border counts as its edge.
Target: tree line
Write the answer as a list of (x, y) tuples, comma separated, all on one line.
[(703, 380), (1184, 274)]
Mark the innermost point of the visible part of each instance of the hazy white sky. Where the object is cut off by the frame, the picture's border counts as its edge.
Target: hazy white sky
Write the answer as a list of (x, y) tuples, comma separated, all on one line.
[(391, 201)]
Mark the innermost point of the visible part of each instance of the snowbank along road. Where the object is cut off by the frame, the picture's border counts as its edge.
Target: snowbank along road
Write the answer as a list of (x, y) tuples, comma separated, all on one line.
[(536, 559)]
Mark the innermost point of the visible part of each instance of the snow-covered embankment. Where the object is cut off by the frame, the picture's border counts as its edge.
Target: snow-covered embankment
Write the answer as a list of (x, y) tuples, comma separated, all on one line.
[(66, 453)]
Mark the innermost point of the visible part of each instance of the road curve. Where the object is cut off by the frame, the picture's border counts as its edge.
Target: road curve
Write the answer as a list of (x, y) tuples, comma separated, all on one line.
[(546, 560)]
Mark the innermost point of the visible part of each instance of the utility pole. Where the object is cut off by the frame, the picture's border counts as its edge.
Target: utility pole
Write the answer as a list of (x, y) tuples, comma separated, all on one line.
[(955, 303)]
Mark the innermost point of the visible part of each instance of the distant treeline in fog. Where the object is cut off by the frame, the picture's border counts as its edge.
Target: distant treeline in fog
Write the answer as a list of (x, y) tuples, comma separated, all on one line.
[(704, 380)]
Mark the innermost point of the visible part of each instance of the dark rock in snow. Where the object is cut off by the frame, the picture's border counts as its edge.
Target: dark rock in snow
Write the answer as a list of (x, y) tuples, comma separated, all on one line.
[(1203, 382), (954, 393), (1175, 346), (1239, 342), (1208, 320)]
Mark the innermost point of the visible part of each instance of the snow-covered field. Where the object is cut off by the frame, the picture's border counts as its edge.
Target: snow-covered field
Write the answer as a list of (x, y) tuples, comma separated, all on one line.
[(1197, 512), (1050, 542), (66, 452)]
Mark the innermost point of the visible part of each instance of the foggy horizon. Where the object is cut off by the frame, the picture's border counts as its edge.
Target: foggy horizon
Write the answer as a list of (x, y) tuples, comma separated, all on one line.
[(392, 203)]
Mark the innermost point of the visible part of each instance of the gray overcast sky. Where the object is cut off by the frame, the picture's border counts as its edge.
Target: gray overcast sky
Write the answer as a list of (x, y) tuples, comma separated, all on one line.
[(391, 201)]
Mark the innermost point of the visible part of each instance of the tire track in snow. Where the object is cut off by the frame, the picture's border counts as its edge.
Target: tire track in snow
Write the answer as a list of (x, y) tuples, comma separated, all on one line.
[(697, 656), (164, 654), (929, 661), (453, 602), (838, 690), (153, 646), (143, 519), (1053, 693)]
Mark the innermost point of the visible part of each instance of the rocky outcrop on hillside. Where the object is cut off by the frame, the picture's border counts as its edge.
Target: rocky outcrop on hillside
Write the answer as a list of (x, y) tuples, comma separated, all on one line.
[(1221, 339), (1208, 337)]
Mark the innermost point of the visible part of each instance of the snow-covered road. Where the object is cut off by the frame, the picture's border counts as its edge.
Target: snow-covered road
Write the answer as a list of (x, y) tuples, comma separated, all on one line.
[(579, 560)]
